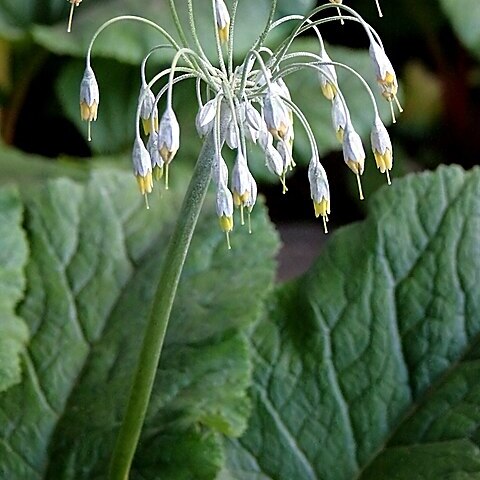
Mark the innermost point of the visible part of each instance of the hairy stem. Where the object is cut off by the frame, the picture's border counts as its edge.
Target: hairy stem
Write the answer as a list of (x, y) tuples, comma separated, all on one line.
[(160, 313)]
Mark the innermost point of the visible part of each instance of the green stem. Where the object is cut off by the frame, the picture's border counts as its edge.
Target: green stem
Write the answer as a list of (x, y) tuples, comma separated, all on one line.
[(162, 305)]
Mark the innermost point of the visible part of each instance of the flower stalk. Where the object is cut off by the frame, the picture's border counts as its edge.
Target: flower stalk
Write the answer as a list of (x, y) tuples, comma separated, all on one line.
[(160, 313)]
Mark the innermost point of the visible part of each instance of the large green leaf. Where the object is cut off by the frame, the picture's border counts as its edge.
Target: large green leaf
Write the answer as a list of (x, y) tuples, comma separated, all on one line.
[(95, 257), (26, 169), (13, 257), (465, 18), (368, 366)]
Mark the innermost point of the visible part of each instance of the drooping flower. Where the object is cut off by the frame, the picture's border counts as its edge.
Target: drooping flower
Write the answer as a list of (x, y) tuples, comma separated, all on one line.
[(142, 167), (156, 159), (276, 115), (148, 110), (251, 102), (340, 116), (319, 190), (382, 147), (223, 20), (205, 117), (168, 138), (89, 97), (224, 205), (354, 154), (386, 77), (328, 76)]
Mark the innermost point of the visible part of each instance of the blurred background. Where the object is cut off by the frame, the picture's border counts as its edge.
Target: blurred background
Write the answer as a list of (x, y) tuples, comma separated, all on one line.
[(434, 46)]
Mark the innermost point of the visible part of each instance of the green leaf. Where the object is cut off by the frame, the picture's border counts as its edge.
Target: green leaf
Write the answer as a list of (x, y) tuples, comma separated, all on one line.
[(465, 17), (25, 169), (95, 257), (368, 366), (13, 257)]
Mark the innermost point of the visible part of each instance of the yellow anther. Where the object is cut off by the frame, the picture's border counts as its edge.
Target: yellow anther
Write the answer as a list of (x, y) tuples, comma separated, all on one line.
[(157, 172), (339, 134), (321, 208), (147, 125), (226, 223), (223, 33), (88, 112), (329, 90), (145, 184)]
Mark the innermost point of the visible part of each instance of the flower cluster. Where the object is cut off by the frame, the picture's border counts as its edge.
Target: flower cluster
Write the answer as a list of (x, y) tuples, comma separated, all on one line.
[(250, 103)]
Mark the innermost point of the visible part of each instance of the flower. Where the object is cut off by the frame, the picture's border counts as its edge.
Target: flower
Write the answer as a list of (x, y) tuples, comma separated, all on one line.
[(142, 167), (354, 154), (386, 76), (340, 115), (224, 204), (382, 147), (89, 98), (240, 180), (223, 20), (276, 115), (250, 102), (319, 190), (168, 135), (148, 110), (328, 76), (156, 159), (89, 95), (205, 117)]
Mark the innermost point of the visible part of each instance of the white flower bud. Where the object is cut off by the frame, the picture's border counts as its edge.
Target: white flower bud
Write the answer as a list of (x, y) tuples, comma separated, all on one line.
[(156, 159), (148, 110), (224, 207), (89, 95), (328, 77), (276, 115), (354, 154), (231, 136), (254, 123), (319, 190), (168, 135), (204, 121), (383, 70), (273, 160), (382, 147), (220, 170), (223, 20), (284, 151), (240, 180), (340, 116), (142, 167), (252, 197), (265, 139)]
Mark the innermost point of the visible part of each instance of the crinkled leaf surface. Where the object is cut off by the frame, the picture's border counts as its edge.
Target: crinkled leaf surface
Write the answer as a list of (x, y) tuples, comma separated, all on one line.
[(13, 257), (27, 169), (465, 17), (368, 367), (95, 258)]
